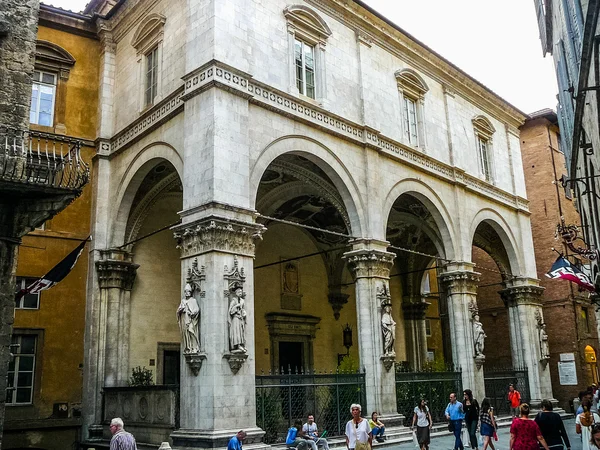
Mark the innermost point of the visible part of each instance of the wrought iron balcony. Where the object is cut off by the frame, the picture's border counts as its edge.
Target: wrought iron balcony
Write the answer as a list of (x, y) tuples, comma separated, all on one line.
[(32, 159)]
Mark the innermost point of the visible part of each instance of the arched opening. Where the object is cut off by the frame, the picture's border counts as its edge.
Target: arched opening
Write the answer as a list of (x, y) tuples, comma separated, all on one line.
[(155, 203)]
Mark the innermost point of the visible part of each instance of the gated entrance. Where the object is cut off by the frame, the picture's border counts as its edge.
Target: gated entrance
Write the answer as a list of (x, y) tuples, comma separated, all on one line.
[(497, 381), (435, 387)]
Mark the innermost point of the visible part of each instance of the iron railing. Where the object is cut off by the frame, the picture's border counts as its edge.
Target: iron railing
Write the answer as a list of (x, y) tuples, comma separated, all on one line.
[(434, 386), (35, 158), (498, 379), (280, 399)]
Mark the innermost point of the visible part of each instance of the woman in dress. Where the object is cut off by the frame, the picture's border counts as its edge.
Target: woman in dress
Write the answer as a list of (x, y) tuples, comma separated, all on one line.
[(377, 427), (525, 433), (422, 418), (471, 408), (488, 424), (584, 422), (358, 431), (552, 427)]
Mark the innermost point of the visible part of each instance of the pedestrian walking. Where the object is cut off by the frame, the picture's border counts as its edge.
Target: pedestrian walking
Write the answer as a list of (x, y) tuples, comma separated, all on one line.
[(595, 439), (358, 431), (377, 427), (235, 443), (583, 396), (525, 433), (455, 414), (121, 439), (488, 424), (514, 399), (471, 408), (584, 423), (552, 427), (422, 418), (311, 430)]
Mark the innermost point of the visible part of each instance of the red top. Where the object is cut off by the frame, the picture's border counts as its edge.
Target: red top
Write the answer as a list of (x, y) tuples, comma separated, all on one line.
[(515, 398), (526, 432)]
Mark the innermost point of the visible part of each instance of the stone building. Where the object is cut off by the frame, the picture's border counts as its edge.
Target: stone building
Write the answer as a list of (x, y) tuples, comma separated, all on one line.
[(568, 30), (40, 174), (44, 411), (314, 161)]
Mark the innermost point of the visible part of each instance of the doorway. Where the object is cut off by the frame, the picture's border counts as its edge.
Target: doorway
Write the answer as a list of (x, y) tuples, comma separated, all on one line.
[(291, 357)]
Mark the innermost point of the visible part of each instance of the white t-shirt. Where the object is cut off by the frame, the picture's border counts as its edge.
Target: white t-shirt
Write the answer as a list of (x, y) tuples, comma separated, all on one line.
[(360, 430), (422, 420), (586, 431), (311, 430)]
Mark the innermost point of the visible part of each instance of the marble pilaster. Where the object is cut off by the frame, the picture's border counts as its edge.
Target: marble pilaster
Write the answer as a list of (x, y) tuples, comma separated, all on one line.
[(370, 264), (460, 281), (522, 297)]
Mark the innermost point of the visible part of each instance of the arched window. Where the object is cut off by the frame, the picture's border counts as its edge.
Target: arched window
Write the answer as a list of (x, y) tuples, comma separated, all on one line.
[(484, 130), (412, 89), (307, 36)]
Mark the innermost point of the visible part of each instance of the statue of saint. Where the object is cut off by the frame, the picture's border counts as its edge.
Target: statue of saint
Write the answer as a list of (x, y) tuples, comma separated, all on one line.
[(544, 347), (388, 328), (188, 315), (478, 336), (237, 320)]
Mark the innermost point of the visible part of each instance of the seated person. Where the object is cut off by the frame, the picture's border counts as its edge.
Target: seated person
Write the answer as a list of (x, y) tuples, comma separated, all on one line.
[(377, 427), (296, 438), (310, 429)]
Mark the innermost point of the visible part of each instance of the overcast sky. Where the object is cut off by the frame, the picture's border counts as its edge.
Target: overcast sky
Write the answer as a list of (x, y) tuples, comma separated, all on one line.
[(497, 43)]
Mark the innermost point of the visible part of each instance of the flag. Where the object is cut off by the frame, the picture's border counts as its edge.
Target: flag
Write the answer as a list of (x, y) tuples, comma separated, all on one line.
[(56, 274), (562, 269)]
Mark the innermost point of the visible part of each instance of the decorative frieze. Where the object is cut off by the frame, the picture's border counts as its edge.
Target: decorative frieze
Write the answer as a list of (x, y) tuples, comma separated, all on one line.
[(218, 234), (369, 263), (116, 269), (522, 295)]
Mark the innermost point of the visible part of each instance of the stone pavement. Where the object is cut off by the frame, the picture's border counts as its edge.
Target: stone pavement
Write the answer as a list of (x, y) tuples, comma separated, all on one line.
[(446, 441)]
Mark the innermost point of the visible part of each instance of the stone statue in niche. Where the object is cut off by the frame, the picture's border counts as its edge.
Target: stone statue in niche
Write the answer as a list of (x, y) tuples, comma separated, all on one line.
[(388, 325), (188, 316), (478, 336), (544, 347), (237, 319)]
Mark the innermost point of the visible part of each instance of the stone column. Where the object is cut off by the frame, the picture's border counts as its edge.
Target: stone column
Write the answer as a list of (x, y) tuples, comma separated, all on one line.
[(218, 395), (370, 264), (416, 333), (523, 297), (460, 282)]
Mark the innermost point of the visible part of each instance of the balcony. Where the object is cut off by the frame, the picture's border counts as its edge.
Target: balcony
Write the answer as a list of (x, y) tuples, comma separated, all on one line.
[(38, 162)]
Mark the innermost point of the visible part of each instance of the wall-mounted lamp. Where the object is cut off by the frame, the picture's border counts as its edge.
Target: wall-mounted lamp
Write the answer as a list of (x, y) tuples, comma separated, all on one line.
[(347, 340)]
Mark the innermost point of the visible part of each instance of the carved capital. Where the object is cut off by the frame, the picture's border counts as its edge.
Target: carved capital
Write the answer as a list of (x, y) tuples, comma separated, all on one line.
[(116, 269), (460, 282), (218, 234), (522, 295), (370, 263), (415, 311), (337, 300)]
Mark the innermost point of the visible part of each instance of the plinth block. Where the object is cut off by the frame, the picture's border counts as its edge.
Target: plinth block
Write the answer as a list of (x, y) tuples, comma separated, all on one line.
[(185, 439)]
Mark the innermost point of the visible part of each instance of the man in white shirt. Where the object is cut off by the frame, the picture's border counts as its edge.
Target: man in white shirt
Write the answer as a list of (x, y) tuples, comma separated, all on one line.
[(310, 430)]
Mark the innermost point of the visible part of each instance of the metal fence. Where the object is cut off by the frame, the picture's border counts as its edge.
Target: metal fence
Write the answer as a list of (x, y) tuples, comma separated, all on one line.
[(280, 399), (497, 381), (434, 386)]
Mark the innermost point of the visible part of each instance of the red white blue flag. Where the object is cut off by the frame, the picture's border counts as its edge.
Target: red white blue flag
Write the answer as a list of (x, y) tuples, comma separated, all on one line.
[(562, 269), (56, 274)]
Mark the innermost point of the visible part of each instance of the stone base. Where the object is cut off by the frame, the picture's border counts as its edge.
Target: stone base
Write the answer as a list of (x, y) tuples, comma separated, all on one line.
[(392, 420), (185, 439)]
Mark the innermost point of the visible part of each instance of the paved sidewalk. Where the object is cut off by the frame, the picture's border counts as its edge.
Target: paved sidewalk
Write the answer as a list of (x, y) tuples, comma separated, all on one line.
[(446, 442)]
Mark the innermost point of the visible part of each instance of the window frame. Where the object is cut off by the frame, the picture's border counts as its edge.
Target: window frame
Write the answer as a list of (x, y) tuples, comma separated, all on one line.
[(303, 90), (412, 88), (36, 374), (428, 327), (484, 131), (41, 83), (24, 282), (151, 61)]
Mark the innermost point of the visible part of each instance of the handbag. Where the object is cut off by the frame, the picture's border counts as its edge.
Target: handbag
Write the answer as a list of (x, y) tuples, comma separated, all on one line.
[(415, 440), (451, 426), (495, 435), (359, 445), (464, 437)]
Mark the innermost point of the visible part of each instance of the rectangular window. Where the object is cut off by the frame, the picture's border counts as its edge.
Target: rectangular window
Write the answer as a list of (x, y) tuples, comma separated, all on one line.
[(43, 93), (28, 301), (585, 324), (428, 327), (304, 55), (410, 121), (21, 370), (484, 161), (151, 76)]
